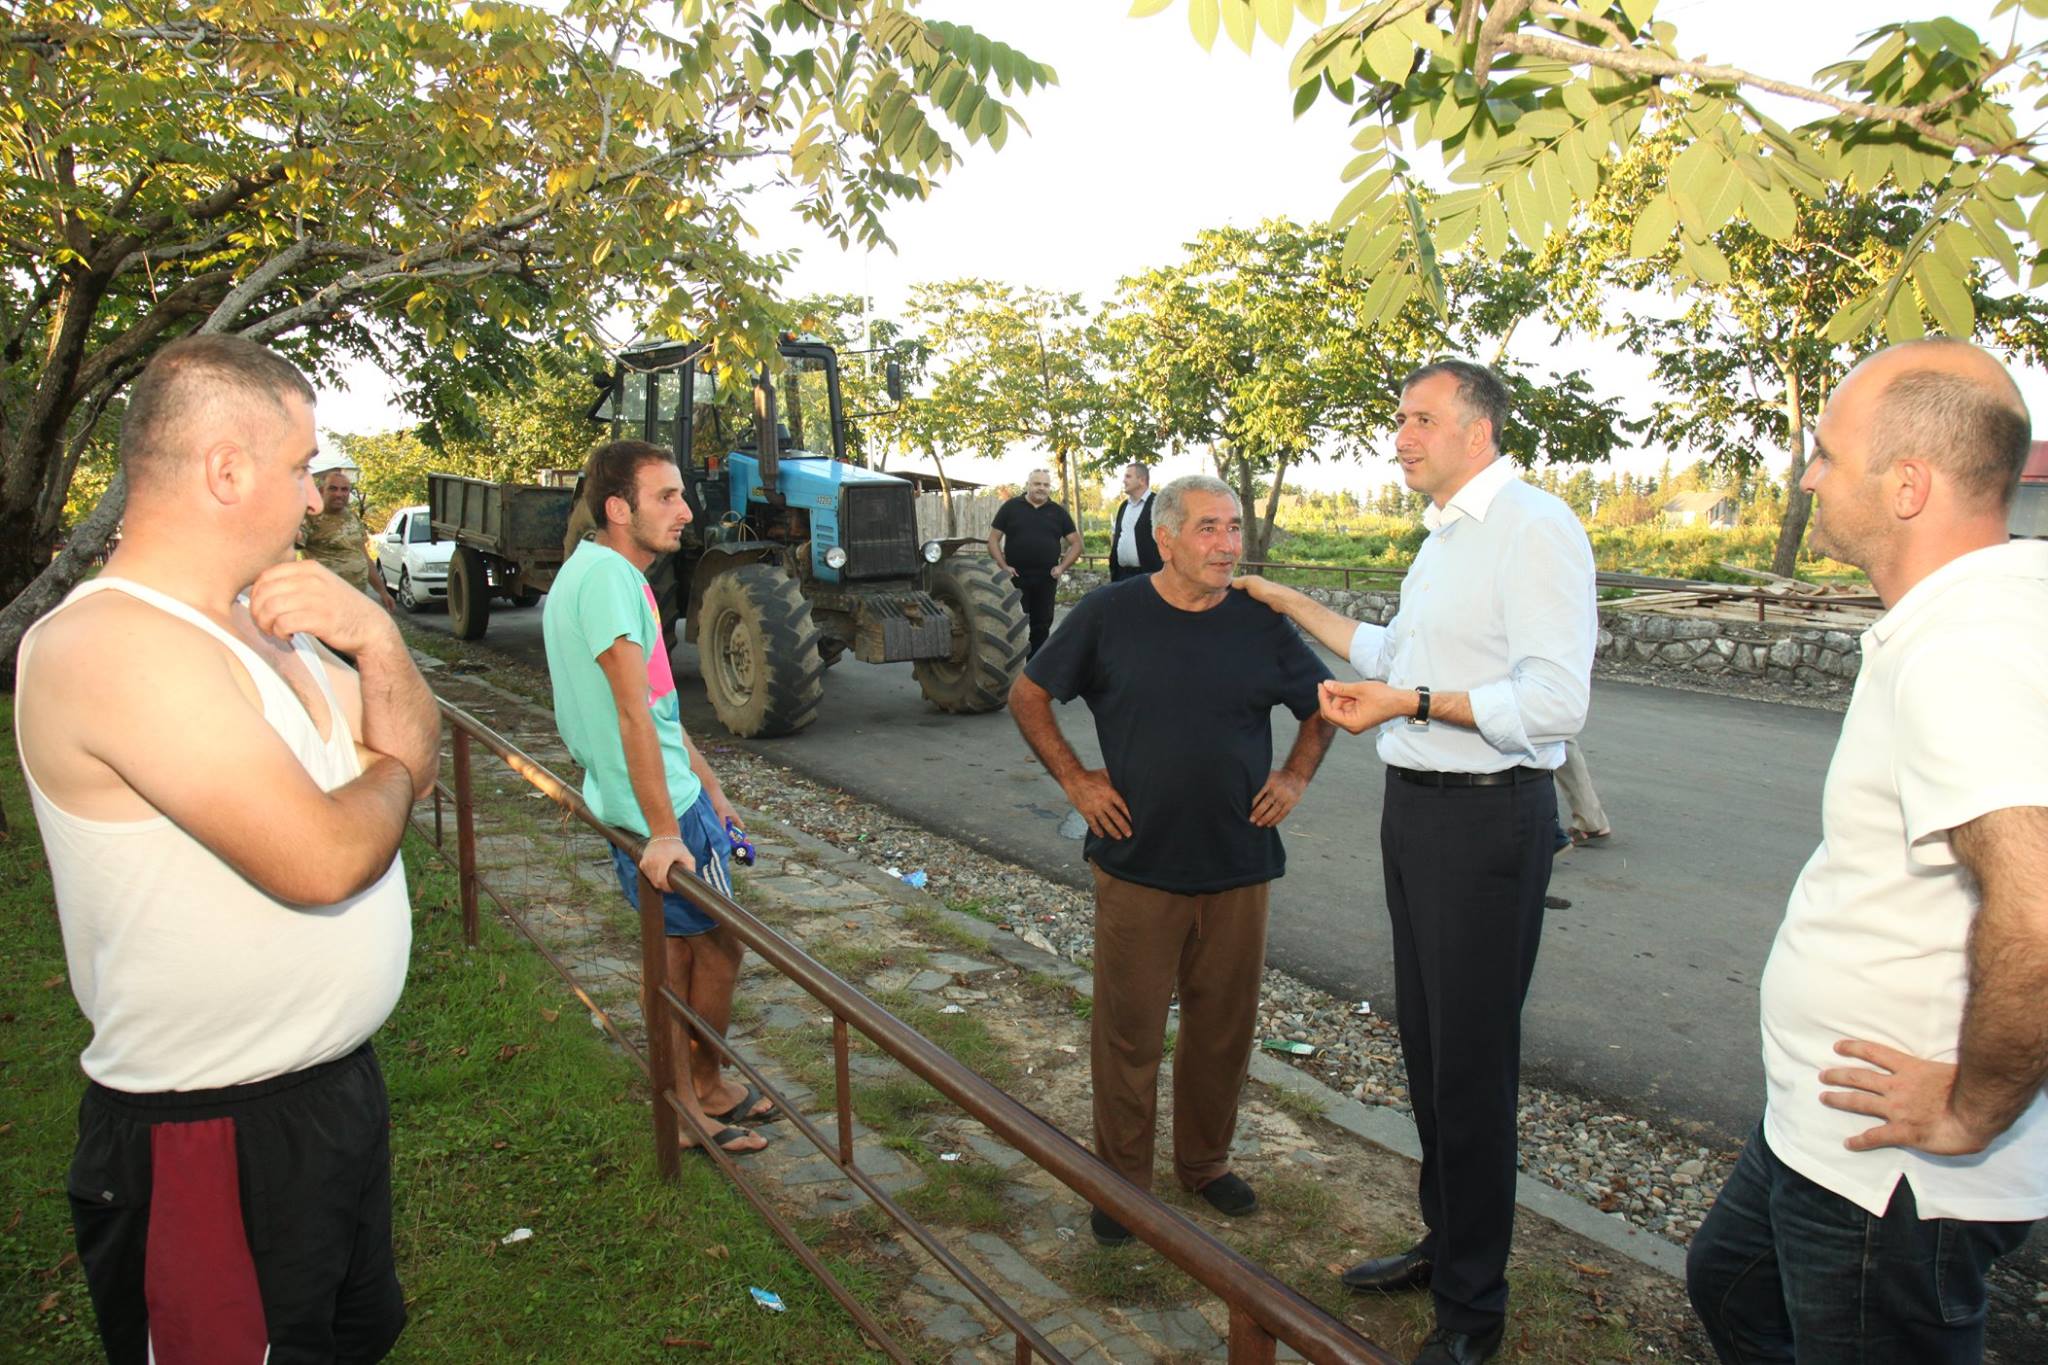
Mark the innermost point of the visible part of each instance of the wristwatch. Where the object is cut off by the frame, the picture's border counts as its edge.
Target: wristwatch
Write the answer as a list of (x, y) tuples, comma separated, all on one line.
[(1420, 720)]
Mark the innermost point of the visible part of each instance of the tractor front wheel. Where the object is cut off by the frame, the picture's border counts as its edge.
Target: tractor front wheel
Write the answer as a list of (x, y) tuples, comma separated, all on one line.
[(988, 637), (758, 650)]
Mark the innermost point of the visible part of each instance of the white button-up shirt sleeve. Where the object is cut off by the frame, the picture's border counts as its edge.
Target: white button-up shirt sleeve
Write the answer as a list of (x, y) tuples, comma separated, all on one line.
[(1551, 626), (1368, 651)]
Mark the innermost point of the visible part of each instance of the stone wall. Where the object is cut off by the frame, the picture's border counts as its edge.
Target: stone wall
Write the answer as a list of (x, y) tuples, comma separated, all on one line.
[(1803, 660)]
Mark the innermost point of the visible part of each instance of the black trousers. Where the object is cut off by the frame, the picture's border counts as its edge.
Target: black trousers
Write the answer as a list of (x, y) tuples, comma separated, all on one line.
[(1466, 869), (1036, 587)]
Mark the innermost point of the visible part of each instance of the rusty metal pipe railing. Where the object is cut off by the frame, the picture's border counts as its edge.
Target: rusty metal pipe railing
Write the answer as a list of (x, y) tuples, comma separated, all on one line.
[(1261, 1306), (994, 1302)]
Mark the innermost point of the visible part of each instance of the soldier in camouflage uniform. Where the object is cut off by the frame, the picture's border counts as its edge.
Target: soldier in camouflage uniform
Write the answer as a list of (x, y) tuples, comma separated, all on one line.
[(335, 536)]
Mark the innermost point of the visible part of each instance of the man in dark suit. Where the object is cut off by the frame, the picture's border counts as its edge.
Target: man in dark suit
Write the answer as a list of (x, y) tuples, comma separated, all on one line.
[(1132, 550)]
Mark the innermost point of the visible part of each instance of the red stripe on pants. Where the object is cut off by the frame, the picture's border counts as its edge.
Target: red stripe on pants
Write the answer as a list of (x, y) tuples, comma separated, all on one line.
[(199, 1281)]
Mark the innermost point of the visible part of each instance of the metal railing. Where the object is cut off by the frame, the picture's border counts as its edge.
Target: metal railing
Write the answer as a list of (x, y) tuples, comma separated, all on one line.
[(1262, 1309)]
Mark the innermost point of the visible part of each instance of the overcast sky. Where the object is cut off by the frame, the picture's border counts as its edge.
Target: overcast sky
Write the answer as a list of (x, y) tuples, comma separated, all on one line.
[(1147, 139)]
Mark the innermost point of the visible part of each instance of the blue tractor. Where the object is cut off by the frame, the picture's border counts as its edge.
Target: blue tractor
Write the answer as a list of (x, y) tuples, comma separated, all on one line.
[(796, 555)]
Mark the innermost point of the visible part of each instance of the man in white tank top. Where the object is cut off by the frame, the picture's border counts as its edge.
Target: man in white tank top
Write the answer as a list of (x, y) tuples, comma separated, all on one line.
[(221, 801)]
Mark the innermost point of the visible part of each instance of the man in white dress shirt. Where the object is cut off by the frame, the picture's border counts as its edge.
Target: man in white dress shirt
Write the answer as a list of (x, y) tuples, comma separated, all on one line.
[(1132, 550), (1904, 1143), (1474, 687)]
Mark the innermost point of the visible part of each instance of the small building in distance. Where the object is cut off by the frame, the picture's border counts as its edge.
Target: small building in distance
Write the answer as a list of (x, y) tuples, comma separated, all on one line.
[(1714, 507)]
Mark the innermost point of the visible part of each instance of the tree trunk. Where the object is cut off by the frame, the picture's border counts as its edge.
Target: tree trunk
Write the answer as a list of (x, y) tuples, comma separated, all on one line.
[(1266, 527), (1240, 476), (87, 539), (946, 492), (1798, 502)]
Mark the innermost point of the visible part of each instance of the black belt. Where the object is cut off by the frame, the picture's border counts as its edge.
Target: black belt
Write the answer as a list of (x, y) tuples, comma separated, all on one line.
[(1506, 777)]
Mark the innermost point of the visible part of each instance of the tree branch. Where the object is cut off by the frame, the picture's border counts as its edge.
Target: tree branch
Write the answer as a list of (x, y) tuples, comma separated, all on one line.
[(1637, 62)]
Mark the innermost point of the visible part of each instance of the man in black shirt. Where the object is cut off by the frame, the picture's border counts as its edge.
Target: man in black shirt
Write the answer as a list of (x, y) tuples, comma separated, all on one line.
[(1182, 676), (1034, 541)]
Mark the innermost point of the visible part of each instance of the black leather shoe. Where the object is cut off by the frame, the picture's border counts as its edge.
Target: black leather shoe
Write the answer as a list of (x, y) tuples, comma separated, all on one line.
[(1461, 1348), (1229, 1195), (1108, 1232), (1390, 1274)]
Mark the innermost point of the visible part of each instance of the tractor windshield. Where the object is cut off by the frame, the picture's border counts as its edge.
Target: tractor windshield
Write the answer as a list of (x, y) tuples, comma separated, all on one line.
[(806, 405)]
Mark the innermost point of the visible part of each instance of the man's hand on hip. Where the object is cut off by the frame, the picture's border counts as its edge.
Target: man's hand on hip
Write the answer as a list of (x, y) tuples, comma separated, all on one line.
[(302, 595), (1099, 803), (1277, 799), (1909, 1094)]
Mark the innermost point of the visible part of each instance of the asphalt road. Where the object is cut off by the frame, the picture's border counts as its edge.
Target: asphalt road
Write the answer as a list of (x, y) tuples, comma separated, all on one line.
[(1645, 992)]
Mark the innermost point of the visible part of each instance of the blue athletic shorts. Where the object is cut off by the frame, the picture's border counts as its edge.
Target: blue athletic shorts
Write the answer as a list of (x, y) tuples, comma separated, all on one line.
[(708, 844)]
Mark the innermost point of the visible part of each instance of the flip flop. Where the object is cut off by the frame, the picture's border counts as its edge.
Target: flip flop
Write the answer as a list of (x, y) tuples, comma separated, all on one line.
[(1588, 836), (743, 1110), (725, 1137)]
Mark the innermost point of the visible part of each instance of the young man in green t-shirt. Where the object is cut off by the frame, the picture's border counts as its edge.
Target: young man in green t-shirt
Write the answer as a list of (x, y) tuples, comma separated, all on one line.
[(617, 710)]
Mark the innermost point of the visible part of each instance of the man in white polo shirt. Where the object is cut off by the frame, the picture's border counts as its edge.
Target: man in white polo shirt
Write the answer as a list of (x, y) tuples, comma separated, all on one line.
[(1904, 1144)]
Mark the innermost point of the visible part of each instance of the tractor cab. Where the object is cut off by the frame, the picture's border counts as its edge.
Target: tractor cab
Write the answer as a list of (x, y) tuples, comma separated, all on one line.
[(795, 555)]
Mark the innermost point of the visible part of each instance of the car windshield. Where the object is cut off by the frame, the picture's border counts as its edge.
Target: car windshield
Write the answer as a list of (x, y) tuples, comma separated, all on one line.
[(419, 531)]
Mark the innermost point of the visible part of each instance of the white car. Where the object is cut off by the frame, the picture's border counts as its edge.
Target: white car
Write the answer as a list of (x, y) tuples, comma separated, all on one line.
[(413, 563)]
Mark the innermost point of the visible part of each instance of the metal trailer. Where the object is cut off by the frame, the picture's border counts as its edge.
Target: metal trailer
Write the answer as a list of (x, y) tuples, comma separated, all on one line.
[(508, 543)]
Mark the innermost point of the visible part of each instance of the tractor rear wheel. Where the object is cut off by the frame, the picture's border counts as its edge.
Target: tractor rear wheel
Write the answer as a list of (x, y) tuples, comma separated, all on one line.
[(988, 637), (758, 650), (469, 593)]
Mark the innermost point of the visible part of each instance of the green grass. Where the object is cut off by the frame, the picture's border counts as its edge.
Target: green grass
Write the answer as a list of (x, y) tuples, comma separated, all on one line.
[(933, 925), (854, 961), (509, 1111), (1296, 1104)]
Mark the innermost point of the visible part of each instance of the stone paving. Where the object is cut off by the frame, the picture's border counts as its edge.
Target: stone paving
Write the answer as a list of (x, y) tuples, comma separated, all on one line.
[(1033, 1247)]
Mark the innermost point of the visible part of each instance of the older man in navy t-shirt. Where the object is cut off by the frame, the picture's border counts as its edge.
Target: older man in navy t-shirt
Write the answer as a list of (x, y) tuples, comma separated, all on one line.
[(1182, 676)]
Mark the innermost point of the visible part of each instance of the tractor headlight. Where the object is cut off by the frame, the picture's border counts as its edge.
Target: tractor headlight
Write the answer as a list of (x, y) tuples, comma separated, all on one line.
[(933, 551), (835, 558)]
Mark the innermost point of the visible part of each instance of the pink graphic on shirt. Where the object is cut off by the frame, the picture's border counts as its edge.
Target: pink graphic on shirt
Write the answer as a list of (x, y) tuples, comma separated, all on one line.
[(661, 679)]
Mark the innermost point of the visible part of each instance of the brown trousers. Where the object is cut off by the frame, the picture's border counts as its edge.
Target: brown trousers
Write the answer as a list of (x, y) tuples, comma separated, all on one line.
[(1147, 943)]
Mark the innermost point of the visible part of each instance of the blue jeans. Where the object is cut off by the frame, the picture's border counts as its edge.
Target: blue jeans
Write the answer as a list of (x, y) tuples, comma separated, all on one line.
[(1784, 1269)]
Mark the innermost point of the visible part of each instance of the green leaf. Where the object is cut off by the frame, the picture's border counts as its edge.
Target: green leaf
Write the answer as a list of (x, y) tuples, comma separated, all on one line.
[(1547, 173), (1381, 294), (1276, 17), (1772, 212), (1522, 202), (1580, 99), (1902, 319), (1493, 226), (1653, 228), (1705, 260), (1945, 296), (1853, 318), (1238, 22), (1581, 171), (1389, 54), (1639, 12), (1996, 243), (1145, 9), (1363, 193), (1202, 19)]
